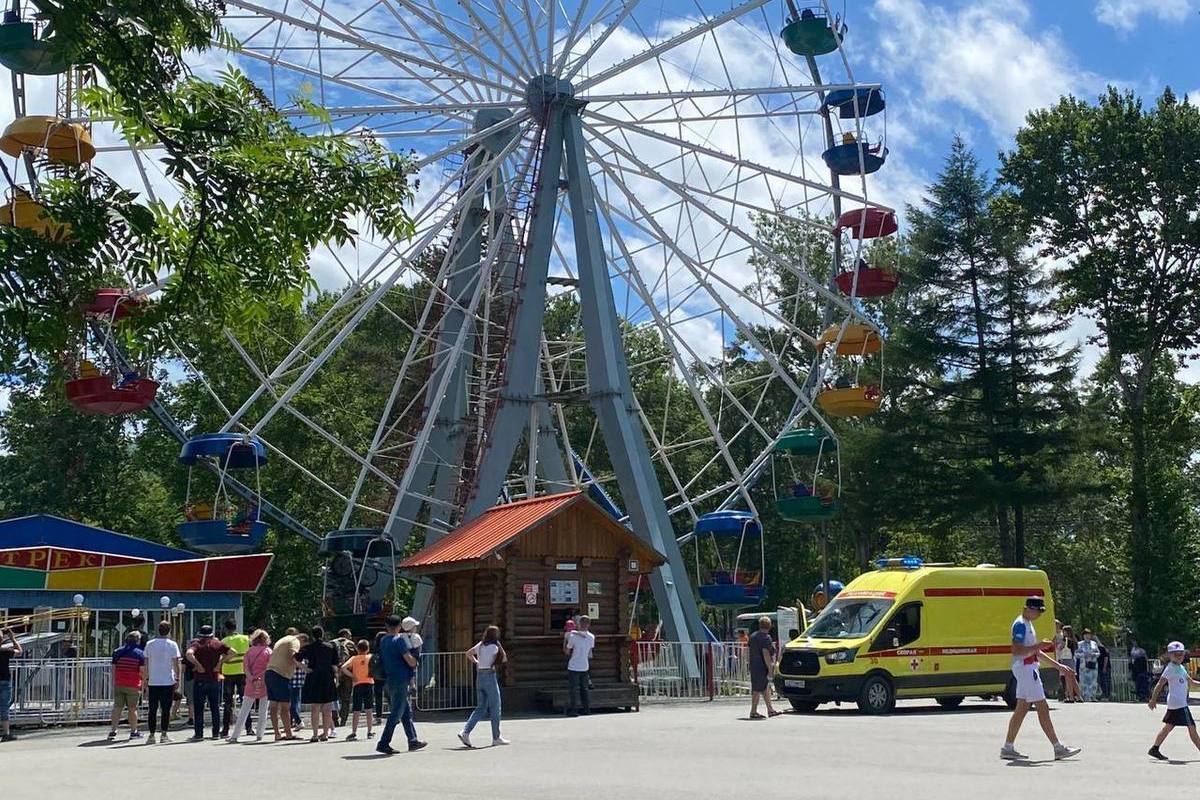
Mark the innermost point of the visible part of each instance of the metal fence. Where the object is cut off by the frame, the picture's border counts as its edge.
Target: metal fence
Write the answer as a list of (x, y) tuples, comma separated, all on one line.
[(689, 670), (445, 682), (61, 690)]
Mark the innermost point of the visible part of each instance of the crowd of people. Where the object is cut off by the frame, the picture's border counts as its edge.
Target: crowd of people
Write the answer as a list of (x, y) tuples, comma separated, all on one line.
[(245, 682)]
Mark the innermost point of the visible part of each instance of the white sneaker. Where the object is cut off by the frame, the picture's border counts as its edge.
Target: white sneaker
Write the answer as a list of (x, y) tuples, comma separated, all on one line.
[(164, 738), (465, 738), (1061, 751), (1009, 752), (499, 740)]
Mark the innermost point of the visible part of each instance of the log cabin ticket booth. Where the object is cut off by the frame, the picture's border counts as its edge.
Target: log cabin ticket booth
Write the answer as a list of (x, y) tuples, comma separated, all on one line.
[(527, 567)]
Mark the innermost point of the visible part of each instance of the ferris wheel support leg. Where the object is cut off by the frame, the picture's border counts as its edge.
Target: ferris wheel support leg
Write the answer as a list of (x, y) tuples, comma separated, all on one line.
[(614, 404), (521, 372), (445, 445)]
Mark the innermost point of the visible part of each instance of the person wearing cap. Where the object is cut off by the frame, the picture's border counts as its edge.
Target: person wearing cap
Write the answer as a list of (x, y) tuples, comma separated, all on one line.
[(409, 627), (1176, 680), (1026, 652), (206, 655), (399, 667), (1088, 656)]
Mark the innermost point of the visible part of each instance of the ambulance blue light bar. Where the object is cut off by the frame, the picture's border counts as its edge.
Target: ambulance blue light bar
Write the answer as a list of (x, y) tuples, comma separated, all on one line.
[(905, 562)]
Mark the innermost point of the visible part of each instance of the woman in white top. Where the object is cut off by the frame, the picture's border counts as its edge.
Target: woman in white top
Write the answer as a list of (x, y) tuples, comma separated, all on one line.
[(487, 655)]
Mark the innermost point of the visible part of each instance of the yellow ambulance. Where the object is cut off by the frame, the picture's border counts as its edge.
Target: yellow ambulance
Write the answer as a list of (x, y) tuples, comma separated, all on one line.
[(911, 630)]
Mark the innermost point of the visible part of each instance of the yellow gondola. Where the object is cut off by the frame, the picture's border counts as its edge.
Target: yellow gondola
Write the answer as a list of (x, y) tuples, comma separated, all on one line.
[(853, 401), (22, 211), (858, 340), (64, 142)]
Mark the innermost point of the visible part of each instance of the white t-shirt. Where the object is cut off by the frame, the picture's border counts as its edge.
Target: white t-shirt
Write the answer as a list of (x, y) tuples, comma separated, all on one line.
[(486, 653), (161, 653), (1177, 685), (1023, 634), (581, 644)]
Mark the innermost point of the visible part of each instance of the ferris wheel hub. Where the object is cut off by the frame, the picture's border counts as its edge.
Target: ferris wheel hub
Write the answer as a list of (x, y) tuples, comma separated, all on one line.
[(543, 91)]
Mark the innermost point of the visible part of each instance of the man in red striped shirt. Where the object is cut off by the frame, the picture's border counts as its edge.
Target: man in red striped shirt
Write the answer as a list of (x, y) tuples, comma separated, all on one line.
[(127, 683)]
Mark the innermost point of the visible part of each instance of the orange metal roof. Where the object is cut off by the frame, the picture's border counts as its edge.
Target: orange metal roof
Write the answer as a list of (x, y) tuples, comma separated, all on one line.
[(490, 531)]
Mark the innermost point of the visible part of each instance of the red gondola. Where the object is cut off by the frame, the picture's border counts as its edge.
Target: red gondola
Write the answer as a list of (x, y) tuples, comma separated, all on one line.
[(114, 304), (98, 395), (872, 281), (868, 223)]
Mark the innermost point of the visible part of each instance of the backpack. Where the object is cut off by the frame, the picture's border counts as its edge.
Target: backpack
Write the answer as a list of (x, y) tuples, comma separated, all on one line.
[(346, 650), (375, 667)]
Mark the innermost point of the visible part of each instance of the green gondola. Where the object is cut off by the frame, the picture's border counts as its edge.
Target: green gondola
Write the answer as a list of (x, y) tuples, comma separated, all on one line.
[(22, 51), (810, 34), (807, 508), (806, 442)]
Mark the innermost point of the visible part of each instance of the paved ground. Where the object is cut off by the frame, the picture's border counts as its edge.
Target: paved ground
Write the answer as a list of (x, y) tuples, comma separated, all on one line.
[(688, 751)]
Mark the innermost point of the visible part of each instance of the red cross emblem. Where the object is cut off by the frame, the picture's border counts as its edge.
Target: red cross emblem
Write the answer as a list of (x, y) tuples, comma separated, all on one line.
[(914, 665)]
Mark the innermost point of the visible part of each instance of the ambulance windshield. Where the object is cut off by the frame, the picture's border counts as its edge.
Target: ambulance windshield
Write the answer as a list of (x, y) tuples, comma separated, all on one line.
[(848, 618)]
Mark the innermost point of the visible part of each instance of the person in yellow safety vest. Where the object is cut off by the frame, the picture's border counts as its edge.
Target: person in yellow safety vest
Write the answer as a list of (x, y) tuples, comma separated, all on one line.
[(233, 672)]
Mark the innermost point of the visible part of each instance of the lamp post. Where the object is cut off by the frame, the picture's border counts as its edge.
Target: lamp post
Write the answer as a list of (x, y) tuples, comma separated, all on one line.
[(165, 603), (177, 623)]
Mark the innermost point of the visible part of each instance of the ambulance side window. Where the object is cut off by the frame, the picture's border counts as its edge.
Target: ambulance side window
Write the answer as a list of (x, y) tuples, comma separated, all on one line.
[(902, 629)]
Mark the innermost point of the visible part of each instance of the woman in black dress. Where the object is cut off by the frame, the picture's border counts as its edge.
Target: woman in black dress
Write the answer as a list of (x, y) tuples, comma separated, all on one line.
[(320, 686)]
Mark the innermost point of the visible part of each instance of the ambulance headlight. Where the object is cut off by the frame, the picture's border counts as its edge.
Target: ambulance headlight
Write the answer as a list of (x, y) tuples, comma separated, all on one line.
[(840, 657)]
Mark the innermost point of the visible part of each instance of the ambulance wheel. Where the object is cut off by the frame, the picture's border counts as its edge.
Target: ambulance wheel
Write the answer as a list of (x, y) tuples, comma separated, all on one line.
[(1010, 693), (950, 702), (877, 696), (804, 706)]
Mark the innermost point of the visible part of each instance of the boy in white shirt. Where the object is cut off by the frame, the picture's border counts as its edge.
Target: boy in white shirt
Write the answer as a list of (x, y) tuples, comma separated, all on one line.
[(1175, 677), (579, 646)]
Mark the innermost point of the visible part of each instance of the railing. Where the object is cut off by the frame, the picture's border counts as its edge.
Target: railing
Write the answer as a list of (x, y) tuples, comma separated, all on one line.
[(445, 682), (55, 691), (658, 668)]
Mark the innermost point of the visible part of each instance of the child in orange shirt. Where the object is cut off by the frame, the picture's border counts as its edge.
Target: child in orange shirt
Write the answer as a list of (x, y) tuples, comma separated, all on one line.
[(358, 667)]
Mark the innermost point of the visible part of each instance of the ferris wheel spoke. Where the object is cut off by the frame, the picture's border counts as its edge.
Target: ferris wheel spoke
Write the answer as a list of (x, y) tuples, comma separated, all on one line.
[(698, 149), (428, 212), (698, 271), (762, 250), (667, 45), (453, 216), (416, 10), (521, 65), (626, 10), (673, 340), (304, 418), (438, 69)]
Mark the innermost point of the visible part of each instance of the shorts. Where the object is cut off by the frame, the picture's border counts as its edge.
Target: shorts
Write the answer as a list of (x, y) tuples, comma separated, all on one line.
[(1180, 716), (125, 697), (364, 697), (759, 681), (1029, 683), (5, 699), (279, 688)]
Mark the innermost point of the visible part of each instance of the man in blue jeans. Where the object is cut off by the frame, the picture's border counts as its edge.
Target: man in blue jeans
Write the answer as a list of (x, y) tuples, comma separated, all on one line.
[(8, 649), (399, 667)]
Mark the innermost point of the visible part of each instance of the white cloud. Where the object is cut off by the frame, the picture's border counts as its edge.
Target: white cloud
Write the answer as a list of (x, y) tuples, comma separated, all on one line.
[(1125, 15), (986, 59)]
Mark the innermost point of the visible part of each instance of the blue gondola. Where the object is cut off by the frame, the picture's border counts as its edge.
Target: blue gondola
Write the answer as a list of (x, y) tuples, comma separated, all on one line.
[(223, 526), (844, 159), (852, 103), (355, 541), (725, 587)]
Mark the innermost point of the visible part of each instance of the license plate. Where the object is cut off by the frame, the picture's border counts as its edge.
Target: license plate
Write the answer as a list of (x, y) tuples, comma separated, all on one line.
[(793, 684)]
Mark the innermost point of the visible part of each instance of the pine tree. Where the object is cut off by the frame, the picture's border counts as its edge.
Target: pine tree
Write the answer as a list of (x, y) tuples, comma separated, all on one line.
[(989, 417)]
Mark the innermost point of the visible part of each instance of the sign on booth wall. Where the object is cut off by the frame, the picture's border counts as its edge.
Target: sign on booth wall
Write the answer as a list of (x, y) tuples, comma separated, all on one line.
[(564, 592)]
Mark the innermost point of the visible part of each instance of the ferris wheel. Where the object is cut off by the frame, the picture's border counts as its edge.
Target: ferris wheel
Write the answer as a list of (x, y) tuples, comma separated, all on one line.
[(600, 308)]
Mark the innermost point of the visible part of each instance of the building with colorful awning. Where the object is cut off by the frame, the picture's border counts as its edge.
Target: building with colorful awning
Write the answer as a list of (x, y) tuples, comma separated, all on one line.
[(51, 562)]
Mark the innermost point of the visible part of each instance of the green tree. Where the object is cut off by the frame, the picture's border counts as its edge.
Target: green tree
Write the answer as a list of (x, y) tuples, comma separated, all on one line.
[(1111, 191), (991, 413), (256, 194)]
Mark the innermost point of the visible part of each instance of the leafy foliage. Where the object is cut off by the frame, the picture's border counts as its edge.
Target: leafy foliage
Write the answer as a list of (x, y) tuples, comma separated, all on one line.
[(255, 194)]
